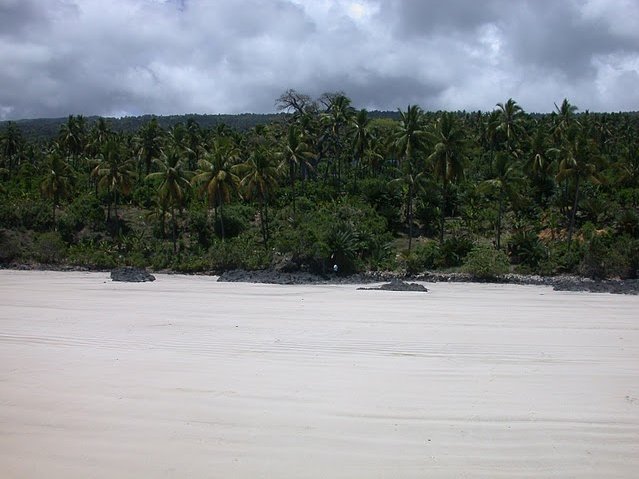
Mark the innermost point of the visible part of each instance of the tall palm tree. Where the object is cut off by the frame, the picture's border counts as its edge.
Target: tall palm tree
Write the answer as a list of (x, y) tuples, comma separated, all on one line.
[(336, 119), (259, 181), (216, 176), (58, 180), (362, 138), (447, 158), (565, 117), (12, 143), (295, 156), (579, 157), (73, 136), (410, 144), (538, 164), (173, 183), (505, 183), (510, 122), (149, 143), (115, 173)]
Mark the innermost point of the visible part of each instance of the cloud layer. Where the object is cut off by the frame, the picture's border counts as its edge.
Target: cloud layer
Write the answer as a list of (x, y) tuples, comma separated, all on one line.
[(130, 57)]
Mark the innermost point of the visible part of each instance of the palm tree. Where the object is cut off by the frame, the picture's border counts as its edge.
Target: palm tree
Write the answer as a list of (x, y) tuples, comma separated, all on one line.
[(115, 173), (73, 137), (336, 118), (579, 158), (538, 165), (565, 117), (259, 181), (216, 176), (149, 143), (505, 183), (58, 180), (12, 144), (362, 138), (447, 158), (296, 155), (410, 142), (510, 122), (173, 183)]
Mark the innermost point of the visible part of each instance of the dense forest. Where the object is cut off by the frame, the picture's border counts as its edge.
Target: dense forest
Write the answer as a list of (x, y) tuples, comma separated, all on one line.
[(323, 184)]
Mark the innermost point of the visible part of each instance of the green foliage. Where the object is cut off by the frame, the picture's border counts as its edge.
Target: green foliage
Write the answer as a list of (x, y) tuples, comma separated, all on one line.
[(27, 213), (453, 251), (236, 220), (424, 256), (11, 246), (486, 262), (49, 248), (526, 248), (606, 256), (327, 185)]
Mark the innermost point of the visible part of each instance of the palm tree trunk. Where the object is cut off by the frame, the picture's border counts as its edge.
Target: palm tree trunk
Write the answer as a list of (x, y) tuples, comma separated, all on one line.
[(573, 213), (219, 202), (292, 173), (410, 217), (500, 211), (174, 230), (442, 214)]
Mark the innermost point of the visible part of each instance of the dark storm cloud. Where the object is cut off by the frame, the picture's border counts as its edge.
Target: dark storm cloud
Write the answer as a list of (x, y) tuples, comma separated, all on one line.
[(174, 56)]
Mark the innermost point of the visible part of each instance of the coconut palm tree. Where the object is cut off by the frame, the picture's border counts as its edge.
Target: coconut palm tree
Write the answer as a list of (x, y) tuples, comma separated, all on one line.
[(58, 180), (579, 158), (336, 119), (296, 155), (505, 183), (114, 172), (216, 177), (259, 181), (410, 144), (447, 158), (510, 123), (173, 183), (362, 138), (149, 143)]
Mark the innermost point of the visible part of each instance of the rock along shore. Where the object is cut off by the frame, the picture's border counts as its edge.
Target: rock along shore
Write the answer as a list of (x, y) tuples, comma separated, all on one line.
[(270, 276), (558, 283)]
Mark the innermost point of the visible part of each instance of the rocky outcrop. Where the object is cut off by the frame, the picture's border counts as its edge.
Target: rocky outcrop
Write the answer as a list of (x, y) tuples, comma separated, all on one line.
[(131, 275), (397, 284), (559, 283)]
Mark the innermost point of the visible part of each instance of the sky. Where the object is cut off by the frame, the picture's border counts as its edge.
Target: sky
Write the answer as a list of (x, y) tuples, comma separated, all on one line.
[(134, 57)]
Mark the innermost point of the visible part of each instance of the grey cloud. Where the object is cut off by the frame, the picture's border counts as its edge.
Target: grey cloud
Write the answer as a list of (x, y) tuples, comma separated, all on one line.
[(176, 56)]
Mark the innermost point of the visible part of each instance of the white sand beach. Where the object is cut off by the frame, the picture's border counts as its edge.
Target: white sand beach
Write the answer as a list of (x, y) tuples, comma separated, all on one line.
[(189, 378)]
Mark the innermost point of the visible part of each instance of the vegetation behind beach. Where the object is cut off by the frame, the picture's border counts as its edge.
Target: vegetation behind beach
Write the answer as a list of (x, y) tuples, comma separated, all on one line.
[(323, 184)]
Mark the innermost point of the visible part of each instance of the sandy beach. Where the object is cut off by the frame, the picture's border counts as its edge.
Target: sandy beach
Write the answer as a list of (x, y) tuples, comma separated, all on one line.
[(190, 378)]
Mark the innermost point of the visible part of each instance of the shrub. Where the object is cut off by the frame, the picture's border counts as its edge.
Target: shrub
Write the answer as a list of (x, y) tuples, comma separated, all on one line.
[(608, 257), (486, 262), (424, 256), (236, 220), (526, 248), (10, 246), (49, 248), (453, 251)]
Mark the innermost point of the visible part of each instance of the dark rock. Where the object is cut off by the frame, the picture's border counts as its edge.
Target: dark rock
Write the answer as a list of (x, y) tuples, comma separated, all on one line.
[(399, 285), (131, 275)]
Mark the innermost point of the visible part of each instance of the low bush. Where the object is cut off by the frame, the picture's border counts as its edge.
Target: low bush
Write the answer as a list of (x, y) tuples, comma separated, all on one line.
[(486, 262), (49, 248), (453, 251)]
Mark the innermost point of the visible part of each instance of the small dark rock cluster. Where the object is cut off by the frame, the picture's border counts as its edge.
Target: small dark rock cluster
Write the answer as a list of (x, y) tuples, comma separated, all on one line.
[(131, 275), (399, 285)]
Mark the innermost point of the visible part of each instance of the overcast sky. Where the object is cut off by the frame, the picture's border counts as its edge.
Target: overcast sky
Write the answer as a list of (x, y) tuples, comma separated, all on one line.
[(131, 57)]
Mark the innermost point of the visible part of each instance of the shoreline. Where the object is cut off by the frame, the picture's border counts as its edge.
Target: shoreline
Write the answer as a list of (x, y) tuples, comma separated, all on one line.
[(272, 276)]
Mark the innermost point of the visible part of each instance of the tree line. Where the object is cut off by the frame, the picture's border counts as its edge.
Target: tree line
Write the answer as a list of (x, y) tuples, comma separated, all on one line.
[(325, 183)]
